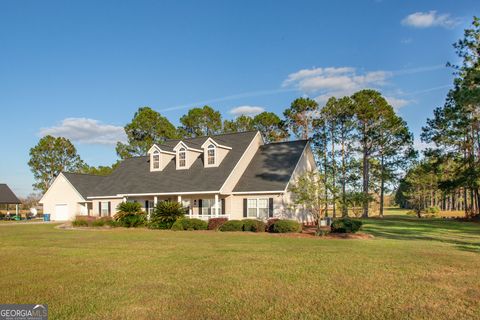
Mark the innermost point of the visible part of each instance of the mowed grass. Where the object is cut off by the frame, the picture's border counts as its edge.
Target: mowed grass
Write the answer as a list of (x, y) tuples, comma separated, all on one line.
[(416, 269)]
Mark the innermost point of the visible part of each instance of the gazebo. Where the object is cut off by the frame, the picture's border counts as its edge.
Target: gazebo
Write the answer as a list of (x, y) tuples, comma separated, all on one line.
[(8, 197)]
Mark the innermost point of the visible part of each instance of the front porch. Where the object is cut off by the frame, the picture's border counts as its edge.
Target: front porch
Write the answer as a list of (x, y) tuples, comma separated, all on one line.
[(200, 206)]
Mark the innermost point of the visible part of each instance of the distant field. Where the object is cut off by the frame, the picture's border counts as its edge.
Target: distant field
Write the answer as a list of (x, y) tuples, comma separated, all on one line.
[(413, 269)]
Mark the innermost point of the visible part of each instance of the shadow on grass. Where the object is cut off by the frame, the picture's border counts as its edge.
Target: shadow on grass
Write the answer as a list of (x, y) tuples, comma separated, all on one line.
[(465, 235)]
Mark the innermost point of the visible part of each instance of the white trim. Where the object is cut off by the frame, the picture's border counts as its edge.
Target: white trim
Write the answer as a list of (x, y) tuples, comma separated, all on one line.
[(157, 148), (186, 147), (210, 140), (165, 193), (54, 181), (257, 192), (105, 197), (241, 158)]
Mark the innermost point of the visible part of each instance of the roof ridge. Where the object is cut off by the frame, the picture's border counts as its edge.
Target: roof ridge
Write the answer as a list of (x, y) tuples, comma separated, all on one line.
[(84, 174), (211, 136), (290, 141)]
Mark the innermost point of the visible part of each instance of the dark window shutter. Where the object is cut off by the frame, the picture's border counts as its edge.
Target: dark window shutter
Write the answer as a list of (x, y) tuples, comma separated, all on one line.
[(223, 206), (244, 207), (200, 206), (100, 208), (109, 208), (146, 205), (270, 207)]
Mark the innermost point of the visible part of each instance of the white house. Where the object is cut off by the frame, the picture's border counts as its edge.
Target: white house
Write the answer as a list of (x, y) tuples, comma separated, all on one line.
[(233, 175)]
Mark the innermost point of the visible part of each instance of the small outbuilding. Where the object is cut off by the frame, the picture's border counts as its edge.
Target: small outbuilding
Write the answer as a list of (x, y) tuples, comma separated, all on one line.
[(8, 197)]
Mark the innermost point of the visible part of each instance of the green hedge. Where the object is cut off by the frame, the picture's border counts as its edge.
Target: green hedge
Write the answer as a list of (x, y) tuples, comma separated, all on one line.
[(189, 224), (232, 225), (286, 226), (253, 225), (80, 223), (346, 225)]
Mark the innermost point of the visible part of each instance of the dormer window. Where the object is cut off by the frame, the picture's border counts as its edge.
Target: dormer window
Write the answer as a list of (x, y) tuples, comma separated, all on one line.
[(182, 158), (156, 160), (214, 153), (211, 154), (159, 158)]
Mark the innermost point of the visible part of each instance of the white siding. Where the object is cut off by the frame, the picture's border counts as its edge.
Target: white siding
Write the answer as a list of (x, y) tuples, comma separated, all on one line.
[(62, 192)]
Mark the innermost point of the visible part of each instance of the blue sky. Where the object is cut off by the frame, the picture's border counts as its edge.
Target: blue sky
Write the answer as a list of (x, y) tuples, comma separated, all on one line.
[(81, 69)]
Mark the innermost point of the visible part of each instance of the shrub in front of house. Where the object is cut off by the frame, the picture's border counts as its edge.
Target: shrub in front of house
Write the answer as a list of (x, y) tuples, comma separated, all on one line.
[(80, 223), (253, 225), (216, 223), (270, 223), (165, 214), (286, 226), (98, 223), (189, 224), (346, 225), (232, 225), (129, 215)]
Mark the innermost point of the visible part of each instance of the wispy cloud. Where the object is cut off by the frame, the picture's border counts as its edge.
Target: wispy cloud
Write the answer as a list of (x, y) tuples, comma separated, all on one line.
[(323, 83), (246, 110), (430, 19), (87, 131), (397, 103), (237, 96), (331, 81)]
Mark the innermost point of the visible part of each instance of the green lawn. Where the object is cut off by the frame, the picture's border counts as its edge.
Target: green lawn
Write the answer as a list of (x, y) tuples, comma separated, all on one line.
[(423, 269)]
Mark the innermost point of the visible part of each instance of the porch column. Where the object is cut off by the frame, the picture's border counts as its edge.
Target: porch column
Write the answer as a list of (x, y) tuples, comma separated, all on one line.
[(16, 209), (155, 201), (179, 199), (216, 205)]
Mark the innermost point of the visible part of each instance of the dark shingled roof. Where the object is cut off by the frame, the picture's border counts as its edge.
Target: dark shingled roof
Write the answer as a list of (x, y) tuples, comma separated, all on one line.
[(270, 170), (84, 183), (133, 175), (271, 167), (7, 196)]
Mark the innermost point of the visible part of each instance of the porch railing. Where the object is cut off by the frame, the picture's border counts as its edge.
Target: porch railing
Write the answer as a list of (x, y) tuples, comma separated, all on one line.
[(196, 216)]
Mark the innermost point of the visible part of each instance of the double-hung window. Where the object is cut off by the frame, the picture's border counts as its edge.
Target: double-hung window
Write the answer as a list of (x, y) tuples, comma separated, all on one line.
[(252, 208), (182, 158), (257, 208), (156, 160), (104, 208), (211, 154)]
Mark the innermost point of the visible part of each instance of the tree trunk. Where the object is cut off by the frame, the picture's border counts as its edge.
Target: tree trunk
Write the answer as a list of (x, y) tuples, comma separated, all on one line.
[(382, 185), (365, 182), (325, 168), (344, 181), (334, 169)]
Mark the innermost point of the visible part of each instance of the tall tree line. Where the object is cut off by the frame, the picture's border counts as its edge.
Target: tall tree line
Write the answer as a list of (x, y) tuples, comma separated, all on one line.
[(453, 161), (349, 135), (361, 145)]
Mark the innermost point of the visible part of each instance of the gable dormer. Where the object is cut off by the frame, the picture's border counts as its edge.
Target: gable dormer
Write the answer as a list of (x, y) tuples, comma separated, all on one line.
[(185, 155), (213, 153), (159, 158)]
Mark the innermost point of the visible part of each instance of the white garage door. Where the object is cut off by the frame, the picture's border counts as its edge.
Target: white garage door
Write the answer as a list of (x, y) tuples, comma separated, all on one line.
[(61, 212)]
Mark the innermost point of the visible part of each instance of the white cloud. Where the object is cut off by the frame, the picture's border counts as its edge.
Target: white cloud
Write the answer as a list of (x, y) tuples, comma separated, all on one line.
[(429, 19), (397, 103), (246, 110), (87, 131), (338, 82)]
